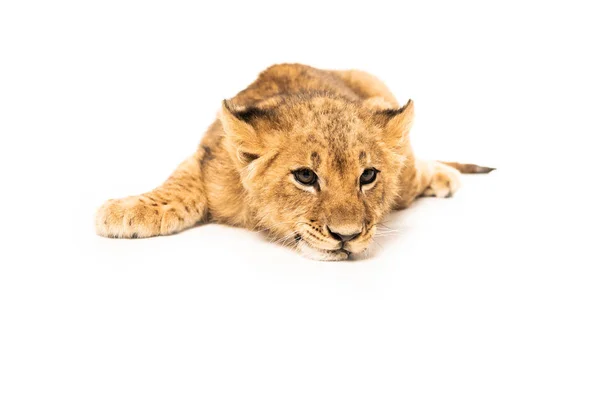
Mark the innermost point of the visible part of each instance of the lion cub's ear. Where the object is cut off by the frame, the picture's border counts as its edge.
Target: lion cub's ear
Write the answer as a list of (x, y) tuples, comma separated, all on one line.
[(396, 123), (243, 141)]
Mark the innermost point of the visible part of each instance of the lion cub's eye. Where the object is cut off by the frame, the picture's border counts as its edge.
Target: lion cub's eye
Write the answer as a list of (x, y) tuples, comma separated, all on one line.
[(368, 176), (305, 176)]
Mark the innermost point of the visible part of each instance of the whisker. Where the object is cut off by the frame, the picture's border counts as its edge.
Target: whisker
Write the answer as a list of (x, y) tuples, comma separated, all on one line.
[(271, 227), (283, 240), (382, 224), (387, 231)]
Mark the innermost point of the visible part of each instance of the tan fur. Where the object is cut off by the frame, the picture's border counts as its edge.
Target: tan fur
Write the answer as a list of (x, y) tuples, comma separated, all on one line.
[(337, 123)]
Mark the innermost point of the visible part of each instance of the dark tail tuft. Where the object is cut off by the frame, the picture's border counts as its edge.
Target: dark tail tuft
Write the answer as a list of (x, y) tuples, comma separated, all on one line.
[(469, 168)]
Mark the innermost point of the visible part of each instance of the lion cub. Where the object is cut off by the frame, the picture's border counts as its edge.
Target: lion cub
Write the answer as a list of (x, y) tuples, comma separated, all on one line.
[(316, 158)]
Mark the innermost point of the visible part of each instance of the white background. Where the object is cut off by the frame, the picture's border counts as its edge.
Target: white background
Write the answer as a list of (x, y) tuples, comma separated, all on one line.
[(493, 294)]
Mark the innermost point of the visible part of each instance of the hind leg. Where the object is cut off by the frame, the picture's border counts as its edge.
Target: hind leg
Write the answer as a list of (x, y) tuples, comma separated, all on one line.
[(437, 179), (426, 178)]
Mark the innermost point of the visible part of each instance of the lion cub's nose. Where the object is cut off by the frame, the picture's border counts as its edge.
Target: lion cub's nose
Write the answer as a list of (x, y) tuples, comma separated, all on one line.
[(343, 237)]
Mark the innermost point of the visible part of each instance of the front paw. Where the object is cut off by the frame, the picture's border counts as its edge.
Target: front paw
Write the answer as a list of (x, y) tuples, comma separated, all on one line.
[(135, 217), (445, 181)]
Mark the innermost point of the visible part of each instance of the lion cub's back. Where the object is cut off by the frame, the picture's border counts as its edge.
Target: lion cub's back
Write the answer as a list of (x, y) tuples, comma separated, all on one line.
[(284, 79)]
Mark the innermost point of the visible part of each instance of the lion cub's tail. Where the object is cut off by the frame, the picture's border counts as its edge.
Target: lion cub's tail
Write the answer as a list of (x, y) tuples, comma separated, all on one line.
[(469, 168)]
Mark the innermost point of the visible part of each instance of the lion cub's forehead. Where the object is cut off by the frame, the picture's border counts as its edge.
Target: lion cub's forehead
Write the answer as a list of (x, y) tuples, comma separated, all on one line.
[(329, 133), (342, 155), (330, 123), (330, 118)]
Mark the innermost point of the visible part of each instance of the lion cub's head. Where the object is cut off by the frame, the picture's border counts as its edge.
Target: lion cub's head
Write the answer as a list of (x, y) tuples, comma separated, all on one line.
[(320, 171)]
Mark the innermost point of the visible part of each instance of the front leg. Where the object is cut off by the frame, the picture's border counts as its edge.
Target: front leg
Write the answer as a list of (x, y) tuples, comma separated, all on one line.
[(177, 204)]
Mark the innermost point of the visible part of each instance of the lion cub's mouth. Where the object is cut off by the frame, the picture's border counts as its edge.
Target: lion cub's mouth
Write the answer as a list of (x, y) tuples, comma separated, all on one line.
[(319, 254)]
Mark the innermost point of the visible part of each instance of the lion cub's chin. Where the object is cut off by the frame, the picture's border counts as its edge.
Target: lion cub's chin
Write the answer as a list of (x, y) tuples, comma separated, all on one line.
[(323, 255)]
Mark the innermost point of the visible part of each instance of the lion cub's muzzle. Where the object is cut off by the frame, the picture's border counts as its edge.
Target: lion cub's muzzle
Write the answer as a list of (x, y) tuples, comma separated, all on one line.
[(332, 242), (349, 237)]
